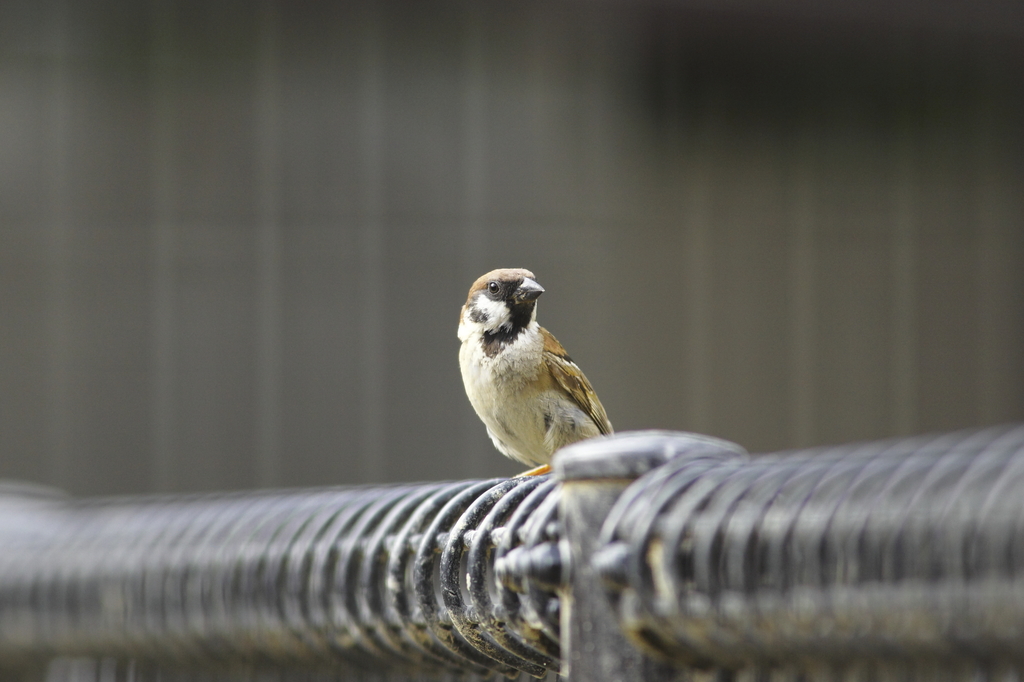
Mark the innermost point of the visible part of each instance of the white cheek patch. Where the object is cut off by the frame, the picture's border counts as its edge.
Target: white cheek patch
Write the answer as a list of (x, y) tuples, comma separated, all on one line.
[(495, 312)]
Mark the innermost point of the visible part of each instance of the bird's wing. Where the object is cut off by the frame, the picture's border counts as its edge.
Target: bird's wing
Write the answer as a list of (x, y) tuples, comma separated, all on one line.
[(570, 378)]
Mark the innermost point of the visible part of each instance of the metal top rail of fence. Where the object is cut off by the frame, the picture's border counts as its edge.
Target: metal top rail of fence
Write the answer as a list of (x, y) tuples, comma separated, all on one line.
[(647, 556)]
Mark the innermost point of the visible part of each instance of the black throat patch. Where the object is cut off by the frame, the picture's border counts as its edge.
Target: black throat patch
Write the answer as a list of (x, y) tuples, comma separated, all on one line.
[(496, 340)]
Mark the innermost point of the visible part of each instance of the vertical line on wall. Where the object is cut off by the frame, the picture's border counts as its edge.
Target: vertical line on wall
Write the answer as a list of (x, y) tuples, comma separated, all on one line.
[(371, 234), (474, 127), (994, 224), (58, 389), (697, 273), (602, 214), (268, 370), (675, 217), (803, 306), (540, 110), (904, 277), (474, 164), (597, 129), (162, 369), (601, 210)]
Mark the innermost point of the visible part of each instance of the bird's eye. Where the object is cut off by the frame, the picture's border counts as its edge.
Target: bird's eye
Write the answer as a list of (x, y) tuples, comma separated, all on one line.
[(493, 287)]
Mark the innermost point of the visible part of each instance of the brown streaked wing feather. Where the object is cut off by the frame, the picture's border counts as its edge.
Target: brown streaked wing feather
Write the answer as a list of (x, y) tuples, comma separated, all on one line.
[(570, 378)]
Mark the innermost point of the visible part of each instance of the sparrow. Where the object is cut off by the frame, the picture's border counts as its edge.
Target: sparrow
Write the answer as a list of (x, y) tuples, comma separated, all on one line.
[(528, 392)]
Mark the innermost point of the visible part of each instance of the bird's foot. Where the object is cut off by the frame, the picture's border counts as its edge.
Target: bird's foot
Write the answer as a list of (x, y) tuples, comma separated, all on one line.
[(536, 471)]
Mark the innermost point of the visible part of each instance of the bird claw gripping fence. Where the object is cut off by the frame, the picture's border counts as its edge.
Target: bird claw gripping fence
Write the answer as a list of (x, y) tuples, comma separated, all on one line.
[(646, 556)]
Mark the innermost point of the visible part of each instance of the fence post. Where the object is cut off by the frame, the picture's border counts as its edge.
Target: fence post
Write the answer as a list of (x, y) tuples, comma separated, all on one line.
[(593, 475)]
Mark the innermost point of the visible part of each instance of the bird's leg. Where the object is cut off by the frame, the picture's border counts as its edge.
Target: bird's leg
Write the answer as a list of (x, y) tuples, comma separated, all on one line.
[(536, 471)]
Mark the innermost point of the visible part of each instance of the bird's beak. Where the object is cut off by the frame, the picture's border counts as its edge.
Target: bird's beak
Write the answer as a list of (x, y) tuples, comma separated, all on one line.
[(528, 291)]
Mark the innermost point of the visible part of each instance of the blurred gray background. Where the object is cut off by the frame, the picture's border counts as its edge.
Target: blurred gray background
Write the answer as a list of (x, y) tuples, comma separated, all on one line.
[(236, 235)]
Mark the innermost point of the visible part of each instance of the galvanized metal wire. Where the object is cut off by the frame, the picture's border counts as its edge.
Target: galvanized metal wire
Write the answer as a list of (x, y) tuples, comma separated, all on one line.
[(900, 550), (394, 578)]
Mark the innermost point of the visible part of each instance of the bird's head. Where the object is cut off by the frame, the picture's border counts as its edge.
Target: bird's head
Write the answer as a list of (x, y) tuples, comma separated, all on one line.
[(502, 301)]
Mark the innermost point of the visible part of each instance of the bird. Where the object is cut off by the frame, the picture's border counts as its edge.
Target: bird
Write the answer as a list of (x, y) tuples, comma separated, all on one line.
[(528, 392)]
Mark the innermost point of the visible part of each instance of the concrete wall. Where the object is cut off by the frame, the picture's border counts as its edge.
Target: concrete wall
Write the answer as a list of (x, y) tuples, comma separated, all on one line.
[(235, 237)]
